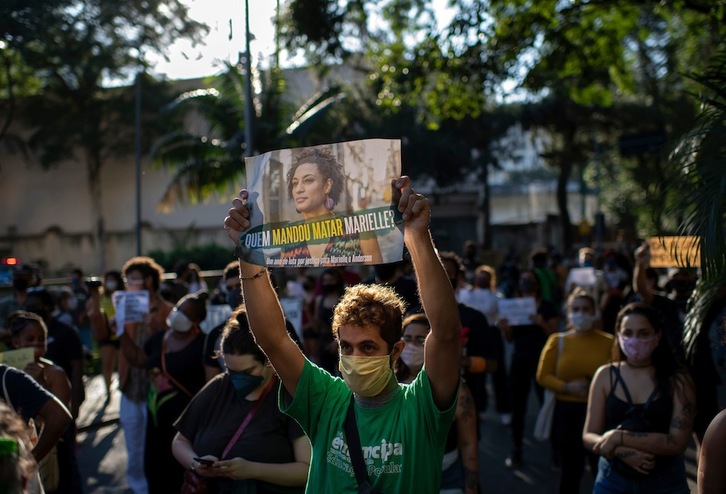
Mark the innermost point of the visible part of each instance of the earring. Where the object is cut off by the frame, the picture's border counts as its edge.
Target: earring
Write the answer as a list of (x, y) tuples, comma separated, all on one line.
[(329, 203)]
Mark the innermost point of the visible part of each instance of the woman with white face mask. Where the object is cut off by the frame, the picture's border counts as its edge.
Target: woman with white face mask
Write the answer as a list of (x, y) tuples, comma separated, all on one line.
[(566, 366), (460, 466), (641, 410), (173, 359)]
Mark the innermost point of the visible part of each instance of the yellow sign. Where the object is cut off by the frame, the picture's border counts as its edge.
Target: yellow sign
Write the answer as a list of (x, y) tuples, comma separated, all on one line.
[(675, 252)]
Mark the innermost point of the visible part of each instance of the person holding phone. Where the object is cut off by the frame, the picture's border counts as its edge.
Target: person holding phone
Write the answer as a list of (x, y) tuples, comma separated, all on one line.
[(233, 434)]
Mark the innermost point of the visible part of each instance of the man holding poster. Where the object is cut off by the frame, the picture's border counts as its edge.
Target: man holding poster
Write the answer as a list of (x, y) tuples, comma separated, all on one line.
[(402, 428), (308, 209)]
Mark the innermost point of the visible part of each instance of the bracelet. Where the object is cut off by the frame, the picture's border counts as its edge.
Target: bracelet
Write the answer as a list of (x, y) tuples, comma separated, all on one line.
[(254, 276)]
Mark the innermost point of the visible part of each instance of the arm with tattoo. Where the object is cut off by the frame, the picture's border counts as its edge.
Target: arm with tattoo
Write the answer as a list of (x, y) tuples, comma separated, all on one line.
[(466, 424), (675, 441)]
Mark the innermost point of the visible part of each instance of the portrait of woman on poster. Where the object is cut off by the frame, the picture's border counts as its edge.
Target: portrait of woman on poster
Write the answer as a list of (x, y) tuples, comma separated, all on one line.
[(315, 185)]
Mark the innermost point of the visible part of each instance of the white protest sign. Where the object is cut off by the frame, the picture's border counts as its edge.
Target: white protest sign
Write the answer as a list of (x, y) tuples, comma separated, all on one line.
[(517, 310), (292, 307), (130, 307), (216, 315), (583, 277)]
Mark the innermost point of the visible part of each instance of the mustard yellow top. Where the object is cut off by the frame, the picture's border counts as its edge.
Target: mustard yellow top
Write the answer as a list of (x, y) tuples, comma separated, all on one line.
[(581, 355)]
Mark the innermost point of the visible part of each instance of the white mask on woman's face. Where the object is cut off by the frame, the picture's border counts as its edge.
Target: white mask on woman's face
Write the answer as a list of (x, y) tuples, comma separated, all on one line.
[(178, 321), (413, 355), (581, 321)]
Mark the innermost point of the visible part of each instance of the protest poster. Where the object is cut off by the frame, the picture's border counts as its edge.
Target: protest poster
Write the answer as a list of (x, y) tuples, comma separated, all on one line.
[(18, 358), (216, 315), (517, 311), (582, 277), (675, 252), (130, 307), (327, 205), (292, 308)]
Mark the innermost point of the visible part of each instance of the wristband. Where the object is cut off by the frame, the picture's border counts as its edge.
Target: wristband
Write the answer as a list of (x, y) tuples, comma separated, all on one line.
[(254, 276)]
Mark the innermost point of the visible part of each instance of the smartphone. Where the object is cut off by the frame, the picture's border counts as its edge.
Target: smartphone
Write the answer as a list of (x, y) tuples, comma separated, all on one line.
[(204, 461)]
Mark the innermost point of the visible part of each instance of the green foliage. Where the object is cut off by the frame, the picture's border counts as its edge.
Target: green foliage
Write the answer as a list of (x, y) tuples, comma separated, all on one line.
[(70, 49), (700, 181), (210, 160)]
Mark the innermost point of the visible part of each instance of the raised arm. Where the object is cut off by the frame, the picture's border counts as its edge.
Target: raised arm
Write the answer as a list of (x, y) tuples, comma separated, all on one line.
[(441, 353), (264, 313)]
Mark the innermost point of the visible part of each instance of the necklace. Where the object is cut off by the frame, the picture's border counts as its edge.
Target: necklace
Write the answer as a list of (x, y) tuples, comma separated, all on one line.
[(636, 366)]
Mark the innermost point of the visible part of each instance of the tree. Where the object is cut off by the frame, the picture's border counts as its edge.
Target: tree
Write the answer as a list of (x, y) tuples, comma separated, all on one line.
[(587, 55), (210, 160), (73, 49)]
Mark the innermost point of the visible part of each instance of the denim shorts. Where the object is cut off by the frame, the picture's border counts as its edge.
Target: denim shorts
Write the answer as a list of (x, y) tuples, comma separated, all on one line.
[(670, 480)]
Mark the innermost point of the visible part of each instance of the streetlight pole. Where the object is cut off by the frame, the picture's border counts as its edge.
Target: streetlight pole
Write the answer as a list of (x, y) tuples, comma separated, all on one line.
[(137, 145), (248, 83)]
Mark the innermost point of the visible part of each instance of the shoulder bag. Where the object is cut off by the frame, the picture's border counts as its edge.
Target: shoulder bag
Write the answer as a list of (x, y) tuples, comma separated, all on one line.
[(543, 425), (356, 452)]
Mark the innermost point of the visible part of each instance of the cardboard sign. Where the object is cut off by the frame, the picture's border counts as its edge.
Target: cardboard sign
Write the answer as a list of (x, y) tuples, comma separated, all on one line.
[(18, 358), (517, 311), (329, 205), (675, 252)]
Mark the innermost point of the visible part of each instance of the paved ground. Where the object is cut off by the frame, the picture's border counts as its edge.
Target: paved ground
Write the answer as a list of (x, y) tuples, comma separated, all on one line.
[(102, 455)]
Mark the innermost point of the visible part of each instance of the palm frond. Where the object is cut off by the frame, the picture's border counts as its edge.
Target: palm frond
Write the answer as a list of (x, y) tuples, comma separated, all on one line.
[(701, 158), (313, 107)]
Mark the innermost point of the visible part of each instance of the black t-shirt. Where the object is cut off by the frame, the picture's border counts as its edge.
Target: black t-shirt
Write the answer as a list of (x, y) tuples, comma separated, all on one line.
[(214, 415), (24, 393), (529, 339), (185, 365), (481, 338), (64, 345)]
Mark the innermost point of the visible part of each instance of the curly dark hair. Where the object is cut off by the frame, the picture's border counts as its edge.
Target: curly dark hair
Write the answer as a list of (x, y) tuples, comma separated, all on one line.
[(198, 302), (328, 167), (147, 267), (374, 305)]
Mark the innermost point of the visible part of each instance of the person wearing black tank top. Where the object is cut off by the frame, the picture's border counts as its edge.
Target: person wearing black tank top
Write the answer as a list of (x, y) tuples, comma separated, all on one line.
[(641, 410)]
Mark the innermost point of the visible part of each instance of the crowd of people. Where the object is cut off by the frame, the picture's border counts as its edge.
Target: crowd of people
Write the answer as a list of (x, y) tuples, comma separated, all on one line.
[(401, 362)]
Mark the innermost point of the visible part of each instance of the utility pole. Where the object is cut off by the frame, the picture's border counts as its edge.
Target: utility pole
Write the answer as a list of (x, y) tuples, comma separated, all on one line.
[(248, 83)]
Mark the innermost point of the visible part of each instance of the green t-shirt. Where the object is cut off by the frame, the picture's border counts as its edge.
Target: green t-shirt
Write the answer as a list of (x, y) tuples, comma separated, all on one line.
[(402, 441)]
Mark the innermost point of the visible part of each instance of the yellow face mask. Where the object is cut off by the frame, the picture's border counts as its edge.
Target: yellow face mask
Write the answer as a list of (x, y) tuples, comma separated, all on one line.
[(366, 376)]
